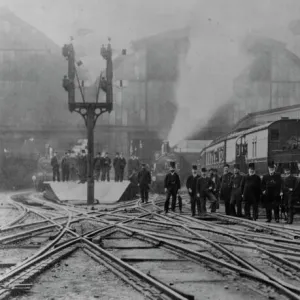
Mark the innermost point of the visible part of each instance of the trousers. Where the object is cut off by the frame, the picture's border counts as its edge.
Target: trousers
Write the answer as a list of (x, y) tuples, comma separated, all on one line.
[(289, 206), (144, 191), (195, 201), (236, 200), (65, 174), (171, 193), (211, 198), (251, 202), (105, 174), (56, 175)]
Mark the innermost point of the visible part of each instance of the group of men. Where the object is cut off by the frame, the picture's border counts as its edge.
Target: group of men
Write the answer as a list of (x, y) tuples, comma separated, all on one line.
[(102, 166), (233, 189)]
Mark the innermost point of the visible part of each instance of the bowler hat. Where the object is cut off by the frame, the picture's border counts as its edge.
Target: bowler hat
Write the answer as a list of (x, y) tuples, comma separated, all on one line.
[(271, 164), (194, 167), (251, 166), (172, 164), (286, 167), (203, 170), (226, 165)]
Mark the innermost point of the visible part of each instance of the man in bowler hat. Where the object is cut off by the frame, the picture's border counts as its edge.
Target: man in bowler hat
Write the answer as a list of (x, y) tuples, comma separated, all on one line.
[(251, 191), (144, 180), (225, 188), (172, 187), (271, 189), (204, 190), (288, 188), (191, 185), (236, 192)]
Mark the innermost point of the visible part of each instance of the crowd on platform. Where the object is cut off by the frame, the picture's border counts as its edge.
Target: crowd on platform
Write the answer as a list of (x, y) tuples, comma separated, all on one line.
[(72, 168)]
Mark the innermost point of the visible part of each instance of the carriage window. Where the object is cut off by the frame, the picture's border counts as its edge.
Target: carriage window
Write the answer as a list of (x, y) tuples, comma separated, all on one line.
[(274, 134)]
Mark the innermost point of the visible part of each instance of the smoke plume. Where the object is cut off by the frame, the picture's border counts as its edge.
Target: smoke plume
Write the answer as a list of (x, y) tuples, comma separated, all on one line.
[(215, 57)]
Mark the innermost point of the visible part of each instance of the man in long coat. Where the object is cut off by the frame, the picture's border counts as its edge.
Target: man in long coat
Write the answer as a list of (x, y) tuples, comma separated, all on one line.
[(144, 180)]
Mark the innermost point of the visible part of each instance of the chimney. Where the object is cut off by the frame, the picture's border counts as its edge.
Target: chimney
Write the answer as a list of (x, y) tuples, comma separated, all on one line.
[(165, 147)]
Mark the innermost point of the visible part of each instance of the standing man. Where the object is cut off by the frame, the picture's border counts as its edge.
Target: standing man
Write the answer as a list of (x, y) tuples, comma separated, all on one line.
[(82, 167), (288, 189), (271, 189), (116, 164), (122, 166), (251, 190), (172, 187), (236, 192), (136, 164), (130, 166), (191, 185), (65, 167), (225, 188), (144, 180), (55, 167), (97, 166), (106, 168), (204, 190)]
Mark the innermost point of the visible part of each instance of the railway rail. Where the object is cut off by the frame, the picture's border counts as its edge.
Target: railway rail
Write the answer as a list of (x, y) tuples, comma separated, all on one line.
[(155, 256)]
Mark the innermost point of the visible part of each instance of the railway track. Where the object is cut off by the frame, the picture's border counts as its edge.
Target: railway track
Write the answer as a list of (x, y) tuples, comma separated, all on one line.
[(152, 255)]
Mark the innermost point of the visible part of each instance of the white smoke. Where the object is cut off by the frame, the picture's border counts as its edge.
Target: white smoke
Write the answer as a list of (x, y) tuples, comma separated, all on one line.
[(215, 57)]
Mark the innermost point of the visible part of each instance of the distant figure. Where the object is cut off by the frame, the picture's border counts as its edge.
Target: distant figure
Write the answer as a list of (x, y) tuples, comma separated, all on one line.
[(191, 185), (251, 191), (122, 166), (225, 188), (236, 192), (271, 189), (130, 165), (106, 168), (144, 180), (116, 164), (136, 164), (288, 188), (82, 167), (204, 189), (65, 167), (97, 166), (55, 167), (172, 187), (34, 182)]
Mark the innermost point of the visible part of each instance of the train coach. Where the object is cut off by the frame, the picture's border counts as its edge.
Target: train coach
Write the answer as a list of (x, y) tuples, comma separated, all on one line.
[(276, 141)]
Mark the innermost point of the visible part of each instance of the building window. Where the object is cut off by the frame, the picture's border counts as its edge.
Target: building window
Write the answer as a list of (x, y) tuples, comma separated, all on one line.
[(274, 134)]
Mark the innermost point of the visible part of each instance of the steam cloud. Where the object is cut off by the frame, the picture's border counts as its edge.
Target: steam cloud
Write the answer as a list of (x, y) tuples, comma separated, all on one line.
[(215, 57)]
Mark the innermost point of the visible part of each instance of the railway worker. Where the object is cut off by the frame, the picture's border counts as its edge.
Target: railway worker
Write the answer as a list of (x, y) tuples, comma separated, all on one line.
[(144, 180), (55, 167), (82, 167), (288, 188), (172, 187), (225, 188), (191, 185), (251, 191), (97, 166), (130, 166), (106, 168), (204, 189), (65, 167), (271, 190), (116, 165), (236, 192), (122, 167), (216, 180)]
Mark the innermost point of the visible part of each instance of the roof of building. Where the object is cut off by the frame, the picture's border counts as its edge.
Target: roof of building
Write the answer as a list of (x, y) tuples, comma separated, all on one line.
[(248, 117), (171, 34)]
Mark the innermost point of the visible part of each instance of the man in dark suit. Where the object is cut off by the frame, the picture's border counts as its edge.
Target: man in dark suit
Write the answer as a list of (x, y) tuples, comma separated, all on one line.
[(144, 180), (204, 190), (288, 188), (172, 187), (116, 164), (106, 168), (271, 189), (236, 192), (225, 188), (251, 190), (55, 167), (65, 167), (191, 185), (122, 167)]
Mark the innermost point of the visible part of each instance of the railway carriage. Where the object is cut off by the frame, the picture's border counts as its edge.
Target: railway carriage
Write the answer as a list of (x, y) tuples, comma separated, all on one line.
[(275, 141)]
